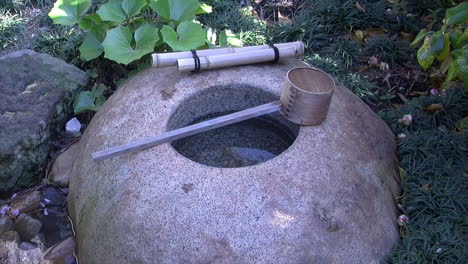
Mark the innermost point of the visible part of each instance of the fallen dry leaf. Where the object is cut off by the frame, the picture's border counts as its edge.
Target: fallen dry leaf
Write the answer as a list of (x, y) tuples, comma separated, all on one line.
[(374, 32), (359, 35), (434, 107), (406, 36), (426, 186), (415, 93), (359, 7), (27, 203)]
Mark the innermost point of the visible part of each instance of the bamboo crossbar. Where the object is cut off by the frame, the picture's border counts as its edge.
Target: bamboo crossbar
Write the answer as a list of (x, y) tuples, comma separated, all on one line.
[(170, 59), (188, 131)]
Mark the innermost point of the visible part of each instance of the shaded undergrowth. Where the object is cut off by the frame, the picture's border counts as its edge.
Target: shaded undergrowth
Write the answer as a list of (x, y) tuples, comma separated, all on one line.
[(434, 156)]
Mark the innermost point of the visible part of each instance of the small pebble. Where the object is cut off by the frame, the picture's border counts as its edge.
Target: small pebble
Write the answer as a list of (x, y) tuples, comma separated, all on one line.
[(402, 220), (73, 127), (27, 246)]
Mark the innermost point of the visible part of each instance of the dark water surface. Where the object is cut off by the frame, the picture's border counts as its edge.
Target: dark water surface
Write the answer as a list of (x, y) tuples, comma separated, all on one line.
[(241, 144)]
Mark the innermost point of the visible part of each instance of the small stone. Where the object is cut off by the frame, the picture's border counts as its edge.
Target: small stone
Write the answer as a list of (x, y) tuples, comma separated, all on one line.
[(439, 250), (27, 246), (73, 127), (55, 196), (63, 164), (434, 91), (406, 120), (402, 135), (10, 236), (27, 227), (27, 203), (12, 252), (402, 220), (6, 224), (62, 252)]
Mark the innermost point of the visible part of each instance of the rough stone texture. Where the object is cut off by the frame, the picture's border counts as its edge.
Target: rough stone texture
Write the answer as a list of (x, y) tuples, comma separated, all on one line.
[(61, 169), (329, 198), (27, 227), (6, 224), (36, 97), (11, 253)]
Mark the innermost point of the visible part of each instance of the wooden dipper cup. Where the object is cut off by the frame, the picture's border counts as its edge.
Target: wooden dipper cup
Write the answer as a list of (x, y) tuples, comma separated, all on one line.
[(306, 96)]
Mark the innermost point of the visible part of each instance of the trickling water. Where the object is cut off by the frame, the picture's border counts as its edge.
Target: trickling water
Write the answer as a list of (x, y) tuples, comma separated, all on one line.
[(241, 144)]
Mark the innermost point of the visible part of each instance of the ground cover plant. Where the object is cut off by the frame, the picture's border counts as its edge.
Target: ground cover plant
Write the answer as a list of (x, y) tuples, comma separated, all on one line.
[(405, 58)]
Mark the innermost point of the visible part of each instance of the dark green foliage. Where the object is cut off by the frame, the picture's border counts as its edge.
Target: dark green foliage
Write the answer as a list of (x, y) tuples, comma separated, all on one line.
[(344, 50), (421, 7), (434, 157), (10, 28), (304, 28), (389, 50), (230, 15), (455, 107), (60, 42), (353, 81)]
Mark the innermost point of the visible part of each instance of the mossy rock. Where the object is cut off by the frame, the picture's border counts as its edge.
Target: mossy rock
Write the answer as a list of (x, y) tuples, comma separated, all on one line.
[(36, 99)]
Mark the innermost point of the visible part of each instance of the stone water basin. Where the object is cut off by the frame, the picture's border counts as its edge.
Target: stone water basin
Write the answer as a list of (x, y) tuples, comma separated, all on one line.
[(278, 193)]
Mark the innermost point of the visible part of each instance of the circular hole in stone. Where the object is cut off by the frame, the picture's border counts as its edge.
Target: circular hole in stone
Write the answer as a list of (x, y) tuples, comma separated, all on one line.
[(241, 144)]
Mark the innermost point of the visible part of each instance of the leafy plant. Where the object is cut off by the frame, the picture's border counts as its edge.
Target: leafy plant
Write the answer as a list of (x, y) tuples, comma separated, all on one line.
[(126, 30), (90, 100), (448, 45)]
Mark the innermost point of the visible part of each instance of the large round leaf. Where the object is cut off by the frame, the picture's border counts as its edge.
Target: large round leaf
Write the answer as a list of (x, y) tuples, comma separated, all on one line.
[(112, 11), (133, 7), (189, 36), (68, 12), (176, 10), (91, 47), (118, 43), (457, 15)]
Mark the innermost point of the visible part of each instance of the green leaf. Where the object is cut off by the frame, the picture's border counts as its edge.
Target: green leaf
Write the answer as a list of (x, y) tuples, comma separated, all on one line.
[(440, 45), (111, 11), (455, 35), (68, 12), (118, 43), (189, 36), (91, 47), (84, 102), (133, 7), (453, 71), (227, 38), (175, 10), (420, 37), (457, 15), (89, 22), (204, 9), (425, 55)]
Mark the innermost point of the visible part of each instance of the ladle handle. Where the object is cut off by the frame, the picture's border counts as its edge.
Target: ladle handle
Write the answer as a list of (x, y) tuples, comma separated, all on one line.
[(188, 131)]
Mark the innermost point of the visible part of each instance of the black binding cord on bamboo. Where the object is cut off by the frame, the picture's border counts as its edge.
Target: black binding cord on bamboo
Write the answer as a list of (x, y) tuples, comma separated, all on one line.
[(196, 59), (275, 49)]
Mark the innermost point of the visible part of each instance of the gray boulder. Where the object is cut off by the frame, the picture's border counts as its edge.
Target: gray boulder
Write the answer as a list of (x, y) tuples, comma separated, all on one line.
[(36, 100), (27, 227), (6, 224), (328, 198)]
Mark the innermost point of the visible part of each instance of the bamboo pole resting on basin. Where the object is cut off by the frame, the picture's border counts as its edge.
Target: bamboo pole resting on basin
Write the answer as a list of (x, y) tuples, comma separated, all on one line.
[(170, 59), (235, 59)]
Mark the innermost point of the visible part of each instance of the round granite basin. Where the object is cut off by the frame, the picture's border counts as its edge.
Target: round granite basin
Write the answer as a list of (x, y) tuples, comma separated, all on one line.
[(326, 196)]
